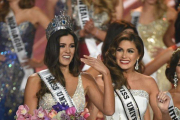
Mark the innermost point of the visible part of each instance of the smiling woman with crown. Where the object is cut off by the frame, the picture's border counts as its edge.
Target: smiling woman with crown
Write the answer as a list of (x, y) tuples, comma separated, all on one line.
[(62, 82)]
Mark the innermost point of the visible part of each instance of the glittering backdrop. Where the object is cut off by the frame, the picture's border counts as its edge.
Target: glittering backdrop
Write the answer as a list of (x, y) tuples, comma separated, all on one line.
[(40, 39)]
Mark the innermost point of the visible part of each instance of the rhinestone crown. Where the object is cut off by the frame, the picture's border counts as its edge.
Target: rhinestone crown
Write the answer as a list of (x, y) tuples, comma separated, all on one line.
[(58, 23)]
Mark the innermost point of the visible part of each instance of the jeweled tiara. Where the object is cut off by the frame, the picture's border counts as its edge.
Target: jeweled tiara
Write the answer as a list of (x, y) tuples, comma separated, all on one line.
[(59, 22)]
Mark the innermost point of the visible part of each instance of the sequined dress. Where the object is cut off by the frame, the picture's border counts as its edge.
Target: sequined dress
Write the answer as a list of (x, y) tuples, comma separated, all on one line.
[(152, 36), (142, 100), (11, 73), (47, 101)]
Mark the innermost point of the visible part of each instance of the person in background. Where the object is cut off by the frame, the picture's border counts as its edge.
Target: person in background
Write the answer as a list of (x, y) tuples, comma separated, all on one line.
[(18, 22), (155, 21), (173, 75)]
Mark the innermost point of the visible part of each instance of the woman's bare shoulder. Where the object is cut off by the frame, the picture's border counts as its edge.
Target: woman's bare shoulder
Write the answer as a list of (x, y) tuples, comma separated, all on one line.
[(34, 79)]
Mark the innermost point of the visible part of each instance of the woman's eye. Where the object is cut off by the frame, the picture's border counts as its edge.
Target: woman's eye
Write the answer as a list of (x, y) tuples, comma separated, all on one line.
[(119, 49), (130, 51), (61, 46), (178, 64), (72, 46)]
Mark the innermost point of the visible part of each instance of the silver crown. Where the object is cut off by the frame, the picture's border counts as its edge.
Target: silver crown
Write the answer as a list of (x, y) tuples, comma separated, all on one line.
[(58, 23)]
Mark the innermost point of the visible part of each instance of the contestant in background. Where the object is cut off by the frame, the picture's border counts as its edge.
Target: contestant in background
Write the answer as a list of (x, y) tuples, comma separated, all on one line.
[(91, 20), (173, 75), (62, 60), (22, 17), (155, 24)]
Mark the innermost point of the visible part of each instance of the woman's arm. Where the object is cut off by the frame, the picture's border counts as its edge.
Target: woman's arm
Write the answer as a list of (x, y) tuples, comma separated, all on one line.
[(158, 61), (91, 29), (106, 102), (155, 101), (32, 87), (171, 17), (39, 18), (50, 7), (119, 10), (147, 114)]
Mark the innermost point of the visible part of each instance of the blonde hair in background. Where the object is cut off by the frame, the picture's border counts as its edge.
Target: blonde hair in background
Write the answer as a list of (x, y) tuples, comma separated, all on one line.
[(100, 6)]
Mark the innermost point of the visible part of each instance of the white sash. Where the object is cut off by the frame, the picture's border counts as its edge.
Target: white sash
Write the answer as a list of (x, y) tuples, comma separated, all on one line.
[(18, 46), (171, 108), (146, 59), (129, 104), (57, 90), (93, 49)]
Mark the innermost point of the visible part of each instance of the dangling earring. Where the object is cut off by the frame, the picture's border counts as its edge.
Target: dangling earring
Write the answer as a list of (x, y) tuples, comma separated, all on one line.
[(175, 80), (137, 65)]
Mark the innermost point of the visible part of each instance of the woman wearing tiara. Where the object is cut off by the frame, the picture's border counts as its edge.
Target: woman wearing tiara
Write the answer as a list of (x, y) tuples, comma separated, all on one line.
[(132, 90), (24, 18), (173, 75), (62, 60)]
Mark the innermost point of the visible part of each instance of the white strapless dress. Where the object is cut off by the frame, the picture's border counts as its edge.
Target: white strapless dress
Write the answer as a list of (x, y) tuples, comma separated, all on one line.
[(142, 100)]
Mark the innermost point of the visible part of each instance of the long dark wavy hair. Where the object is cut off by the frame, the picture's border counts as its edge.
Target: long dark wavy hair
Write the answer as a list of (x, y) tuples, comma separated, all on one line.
[(110, 57), (23, 4), (171, 68), (115, 29), (51, 59)]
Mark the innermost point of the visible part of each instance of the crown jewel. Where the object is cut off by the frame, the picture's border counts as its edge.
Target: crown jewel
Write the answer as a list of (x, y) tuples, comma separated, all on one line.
[(58, 23)]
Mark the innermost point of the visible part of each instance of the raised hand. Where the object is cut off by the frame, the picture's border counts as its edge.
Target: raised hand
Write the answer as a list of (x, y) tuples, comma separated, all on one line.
[(95, 63), (89, 26), (163, 101)]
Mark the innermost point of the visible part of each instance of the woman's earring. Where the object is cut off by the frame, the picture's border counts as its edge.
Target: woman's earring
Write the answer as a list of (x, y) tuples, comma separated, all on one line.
[(137, 65), (175, 80)]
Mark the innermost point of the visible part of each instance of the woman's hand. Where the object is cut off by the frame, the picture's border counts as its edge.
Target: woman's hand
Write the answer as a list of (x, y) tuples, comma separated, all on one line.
[(89, 27), (163, 101), (2, 58), (95, 63), (85, 113)]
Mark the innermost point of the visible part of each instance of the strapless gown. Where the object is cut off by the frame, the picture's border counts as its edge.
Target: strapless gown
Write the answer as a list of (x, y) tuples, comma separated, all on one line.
[(142, 100)]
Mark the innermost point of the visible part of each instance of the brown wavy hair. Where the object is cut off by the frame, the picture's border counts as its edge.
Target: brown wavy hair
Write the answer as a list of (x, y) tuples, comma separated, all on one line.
[(100, 6), (51, 60), (171, 68), (110, 57), (23, 4)]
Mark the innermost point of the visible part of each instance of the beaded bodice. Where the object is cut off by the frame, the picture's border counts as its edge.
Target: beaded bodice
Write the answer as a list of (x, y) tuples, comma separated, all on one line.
[(152, 33), (47, 101), (142, 100)]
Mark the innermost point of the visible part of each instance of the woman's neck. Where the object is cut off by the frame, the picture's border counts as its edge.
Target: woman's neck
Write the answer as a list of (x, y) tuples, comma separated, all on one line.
[(129, 73), (147, 8), (65, 70), (14, 6)]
